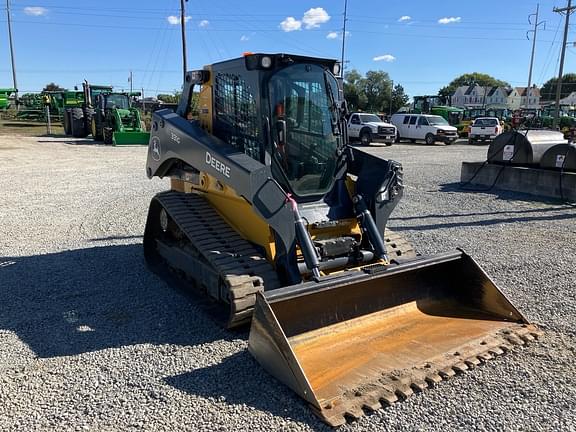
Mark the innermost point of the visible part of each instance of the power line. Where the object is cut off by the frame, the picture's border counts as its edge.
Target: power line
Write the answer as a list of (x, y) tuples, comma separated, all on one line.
[(568, 10)]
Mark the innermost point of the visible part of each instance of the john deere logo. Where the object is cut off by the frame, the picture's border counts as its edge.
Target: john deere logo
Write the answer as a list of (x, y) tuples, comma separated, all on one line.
[(155, 149)]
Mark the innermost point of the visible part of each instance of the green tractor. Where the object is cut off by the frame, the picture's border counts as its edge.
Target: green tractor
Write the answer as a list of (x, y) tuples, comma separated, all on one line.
[(116, 122), (434, 105), (5, 94), (79, 109)]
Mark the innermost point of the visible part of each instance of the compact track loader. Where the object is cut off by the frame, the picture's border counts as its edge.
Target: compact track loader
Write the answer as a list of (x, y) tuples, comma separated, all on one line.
[(276, 218)]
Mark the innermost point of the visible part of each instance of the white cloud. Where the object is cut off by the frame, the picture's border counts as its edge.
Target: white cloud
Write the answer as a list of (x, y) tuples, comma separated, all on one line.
[(449, 20), (244, 38), (35, 10), (174, 20), (203, 23), (386, 57), (337, 35), (291, 24), (404, 18), (314, 17)]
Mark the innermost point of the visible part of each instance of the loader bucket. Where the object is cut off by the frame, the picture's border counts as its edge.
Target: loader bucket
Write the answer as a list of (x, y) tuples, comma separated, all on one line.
[(130, 138), (356, 342)]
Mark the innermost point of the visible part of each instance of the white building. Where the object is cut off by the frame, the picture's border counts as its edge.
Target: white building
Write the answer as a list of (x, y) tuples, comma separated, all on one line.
[(569, 100), (477, 96), (520, 98)]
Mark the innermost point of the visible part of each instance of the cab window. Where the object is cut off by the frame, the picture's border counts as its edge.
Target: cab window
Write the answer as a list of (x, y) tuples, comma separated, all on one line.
[(406, 119), (422, 121), (355, 119), (413, 120)]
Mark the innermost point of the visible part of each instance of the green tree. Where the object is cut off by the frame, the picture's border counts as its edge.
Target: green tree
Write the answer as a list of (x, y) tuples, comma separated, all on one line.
[(480, 79), (548, 91), (352, 91), (52, 87), (399, 98), (372, 92), (170, 98), (377, 87)]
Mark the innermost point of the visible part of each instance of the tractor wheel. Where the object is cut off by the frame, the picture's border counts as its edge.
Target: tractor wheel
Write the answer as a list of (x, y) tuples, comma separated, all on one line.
[(107, 134), (88, 114), (66, 122), (430, 139), (77, 123), (96, 129)]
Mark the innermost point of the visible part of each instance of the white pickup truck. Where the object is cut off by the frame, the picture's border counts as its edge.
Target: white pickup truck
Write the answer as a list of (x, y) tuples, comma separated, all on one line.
[(484, 129), (368, 128)]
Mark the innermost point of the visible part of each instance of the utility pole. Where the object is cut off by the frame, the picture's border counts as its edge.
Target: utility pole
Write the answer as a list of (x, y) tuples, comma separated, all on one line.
[(12, 52), (183, 28), (344, 36), (568, 10), (536, 24), (391, 95)]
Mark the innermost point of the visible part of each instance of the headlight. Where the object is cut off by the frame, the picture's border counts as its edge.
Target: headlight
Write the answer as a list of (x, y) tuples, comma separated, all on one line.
[(336, 69), (441, 131), (265, 62)]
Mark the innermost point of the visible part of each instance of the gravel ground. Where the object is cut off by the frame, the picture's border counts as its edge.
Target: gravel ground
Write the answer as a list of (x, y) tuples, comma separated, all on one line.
[(91, 340)]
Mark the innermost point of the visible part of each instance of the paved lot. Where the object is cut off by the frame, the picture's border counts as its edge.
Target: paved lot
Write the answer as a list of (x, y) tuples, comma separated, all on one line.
[(90, 340)]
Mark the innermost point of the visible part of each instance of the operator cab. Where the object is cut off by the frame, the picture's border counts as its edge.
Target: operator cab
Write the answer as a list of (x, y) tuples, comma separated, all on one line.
[(281, 110)]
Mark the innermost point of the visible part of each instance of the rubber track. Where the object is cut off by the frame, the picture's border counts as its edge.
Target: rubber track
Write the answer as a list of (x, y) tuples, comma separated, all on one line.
[(240, 266), (242, 269)]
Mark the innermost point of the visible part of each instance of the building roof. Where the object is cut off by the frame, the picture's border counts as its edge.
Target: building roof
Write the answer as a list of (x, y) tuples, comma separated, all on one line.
[(522, 91)]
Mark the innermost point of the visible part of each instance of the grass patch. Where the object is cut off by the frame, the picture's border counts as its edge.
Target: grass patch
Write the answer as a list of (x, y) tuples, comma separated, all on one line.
[(27, 128)]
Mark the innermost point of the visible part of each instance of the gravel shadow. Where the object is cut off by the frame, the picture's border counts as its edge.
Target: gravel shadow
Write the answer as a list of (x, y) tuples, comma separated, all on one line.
[(86, 300), (240, 380)]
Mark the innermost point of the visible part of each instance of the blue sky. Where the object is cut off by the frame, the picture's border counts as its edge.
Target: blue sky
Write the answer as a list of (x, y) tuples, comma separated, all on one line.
[(421, 44)]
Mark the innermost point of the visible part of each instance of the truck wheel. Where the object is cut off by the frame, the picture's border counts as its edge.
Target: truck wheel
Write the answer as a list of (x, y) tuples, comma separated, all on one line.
[(77, 123), (430, 139), (107, 134), (388, 144), (365, 138)]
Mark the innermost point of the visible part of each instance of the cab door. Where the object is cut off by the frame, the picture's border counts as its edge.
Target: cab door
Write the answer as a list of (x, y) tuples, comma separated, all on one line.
[(422, 128), (411, 132), (354, 126)]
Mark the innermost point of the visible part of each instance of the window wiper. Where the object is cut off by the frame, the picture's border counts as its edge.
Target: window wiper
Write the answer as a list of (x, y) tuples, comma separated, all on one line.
[(333, 106)]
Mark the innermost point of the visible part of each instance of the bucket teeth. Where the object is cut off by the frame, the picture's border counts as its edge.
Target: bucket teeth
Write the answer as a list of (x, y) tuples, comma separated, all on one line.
[(433, 379), (399, 385), (472, 362)]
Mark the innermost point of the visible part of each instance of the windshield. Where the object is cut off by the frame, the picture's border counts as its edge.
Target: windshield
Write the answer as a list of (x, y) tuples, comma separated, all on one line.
[(455, 118), (486, 122), (436, 121), (117, 101), (305, 138), (367, 118)]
